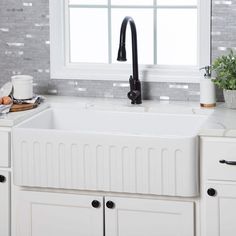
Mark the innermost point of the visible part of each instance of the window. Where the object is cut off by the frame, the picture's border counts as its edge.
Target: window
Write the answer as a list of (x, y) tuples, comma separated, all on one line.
[(173, 38)]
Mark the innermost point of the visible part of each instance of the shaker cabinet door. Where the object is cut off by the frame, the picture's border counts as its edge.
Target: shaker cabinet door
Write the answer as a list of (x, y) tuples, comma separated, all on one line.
[(219, 208), (56, 214), (139, 217), (4, 203)]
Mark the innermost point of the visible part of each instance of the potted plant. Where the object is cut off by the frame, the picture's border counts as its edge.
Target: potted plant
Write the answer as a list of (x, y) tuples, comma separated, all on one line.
[(225, 70)]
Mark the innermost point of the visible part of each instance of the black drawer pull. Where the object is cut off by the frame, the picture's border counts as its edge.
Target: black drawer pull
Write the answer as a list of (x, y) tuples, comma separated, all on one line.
[(232, 163)]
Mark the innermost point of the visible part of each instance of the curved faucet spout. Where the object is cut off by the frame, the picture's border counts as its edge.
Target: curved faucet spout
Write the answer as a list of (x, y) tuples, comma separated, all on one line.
[(135, 85)]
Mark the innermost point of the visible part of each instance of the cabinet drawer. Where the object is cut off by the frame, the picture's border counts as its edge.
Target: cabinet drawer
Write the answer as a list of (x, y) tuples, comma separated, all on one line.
[(214, 150), (4, 149)]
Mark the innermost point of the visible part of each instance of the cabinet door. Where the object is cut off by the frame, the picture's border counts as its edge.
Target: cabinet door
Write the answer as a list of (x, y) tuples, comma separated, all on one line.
[(219, 210), (55, 214), (4, 203), (139, 217)]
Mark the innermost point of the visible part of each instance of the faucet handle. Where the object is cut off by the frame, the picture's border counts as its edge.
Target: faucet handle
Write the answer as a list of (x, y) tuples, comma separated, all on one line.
[(135, 91), (133, 95)]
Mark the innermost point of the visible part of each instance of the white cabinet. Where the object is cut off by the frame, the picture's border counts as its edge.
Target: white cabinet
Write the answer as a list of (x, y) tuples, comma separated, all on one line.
[(4, 203), (5, 148), (55, 214), (218, 204), (220, 210), (49, 214), (140, 217)]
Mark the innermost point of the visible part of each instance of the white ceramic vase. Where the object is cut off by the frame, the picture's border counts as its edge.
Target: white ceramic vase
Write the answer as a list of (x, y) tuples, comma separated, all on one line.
[(230, 98)]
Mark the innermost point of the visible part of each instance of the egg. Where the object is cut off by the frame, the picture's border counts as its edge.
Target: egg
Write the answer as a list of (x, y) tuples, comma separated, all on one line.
[(0, 101), (6, 100)]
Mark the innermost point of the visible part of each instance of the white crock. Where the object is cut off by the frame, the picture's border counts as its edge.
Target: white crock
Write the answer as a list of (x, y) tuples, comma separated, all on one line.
[(22, 86)]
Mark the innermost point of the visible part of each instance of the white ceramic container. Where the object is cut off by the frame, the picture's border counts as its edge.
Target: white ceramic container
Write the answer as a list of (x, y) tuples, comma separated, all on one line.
[(132, 152), (22, 86)]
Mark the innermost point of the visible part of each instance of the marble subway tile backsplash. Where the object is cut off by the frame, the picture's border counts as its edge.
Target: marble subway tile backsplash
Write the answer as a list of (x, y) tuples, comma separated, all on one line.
[(25, 49)]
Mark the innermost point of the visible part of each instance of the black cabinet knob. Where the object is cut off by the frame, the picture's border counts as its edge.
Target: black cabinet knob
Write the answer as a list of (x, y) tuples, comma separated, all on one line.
[(96, 204), (110, 204), (211, 192), (2, 179)]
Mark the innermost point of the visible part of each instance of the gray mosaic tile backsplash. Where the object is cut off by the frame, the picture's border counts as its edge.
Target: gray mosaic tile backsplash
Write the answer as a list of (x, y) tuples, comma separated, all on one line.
[(25, 48)]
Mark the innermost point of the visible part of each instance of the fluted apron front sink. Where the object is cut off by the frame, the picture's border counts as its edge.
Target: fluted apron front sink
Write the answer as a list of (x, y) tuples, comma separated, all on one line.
[(131, 152)]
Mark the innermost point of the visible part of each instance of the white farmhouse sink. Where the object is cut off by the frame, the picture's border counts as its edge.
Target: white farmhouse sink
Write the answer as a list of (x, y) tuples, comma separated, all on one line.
[(109, 122), (132, 152)]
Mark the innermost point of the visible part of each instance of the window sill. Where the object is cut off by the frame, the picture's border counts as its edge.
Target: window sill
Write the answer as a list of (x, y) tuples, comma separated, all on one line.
[(122, 73)]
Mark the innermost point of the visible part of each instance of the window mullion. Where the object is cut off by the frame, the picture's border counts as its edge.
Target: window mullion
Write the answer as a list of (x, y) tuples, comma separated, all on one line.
[(109, 33), (155, 32), (176, 6)]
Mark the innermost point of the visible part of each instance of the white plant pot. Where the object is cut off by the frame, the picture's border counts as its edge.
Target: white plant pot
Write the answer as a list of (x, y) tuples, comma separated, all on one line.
[(230, 98)]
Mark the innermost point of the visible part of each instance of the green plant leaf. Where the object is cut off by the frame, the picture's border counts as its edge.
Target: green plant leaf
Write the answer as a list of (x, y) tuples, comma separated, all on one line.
[(225, 69)]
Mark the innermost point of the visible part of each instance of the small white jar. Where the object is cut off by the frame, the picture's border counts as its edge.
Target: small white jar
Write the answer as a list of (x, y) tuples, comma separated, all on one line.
[(22, 86)]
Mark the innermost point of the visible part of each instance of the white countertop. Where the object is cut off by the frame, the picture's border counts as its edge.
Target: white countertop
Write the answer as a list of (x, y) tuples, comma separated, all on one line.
[(13, 118), (221, 121)]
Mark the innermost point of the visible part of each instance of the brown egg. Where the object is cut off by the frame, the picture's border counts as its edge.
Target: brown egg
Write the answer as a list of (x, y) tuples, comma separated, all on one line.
[(0, 101), (6, 100)]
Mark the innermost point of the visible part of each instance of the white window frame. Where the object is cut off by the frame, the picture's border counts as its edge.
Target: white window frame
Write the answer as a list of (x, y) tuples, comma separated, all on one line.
[(61, 68)]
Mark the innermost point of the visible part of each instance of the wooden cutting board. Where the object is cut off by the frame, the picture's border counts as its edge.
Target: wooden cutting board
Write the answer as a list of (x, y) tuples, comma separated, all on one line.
[(22, 107)]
